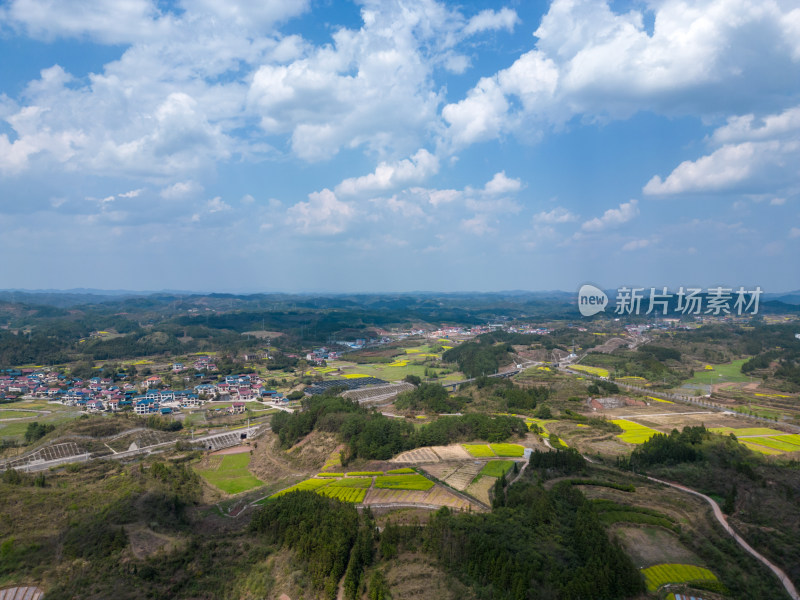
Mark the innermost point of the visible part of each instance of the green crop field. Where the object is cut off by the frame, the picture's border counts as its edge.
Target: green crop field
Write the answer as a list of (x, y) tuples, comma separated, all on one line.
[(760, 449), (479, 450), (307, 485), (396, 371), (403, 482), (352, 482), (633, 432), (231, 474), (330, 474), (343, 494), (351, 489), (399, 471), (728, 373), (496, 468), (507, 449), (776, 443), (659, 575), (599, 371), (745, 431), (364, 473)]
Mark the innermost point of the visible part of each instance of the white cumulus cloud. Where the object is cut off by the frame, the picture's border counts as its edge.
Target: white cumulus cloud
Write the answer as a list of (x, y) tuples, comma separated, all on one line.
[(613, 217), (501, 184), (753, 155), (490, 20), (557, 215), (389, 175), (323, 214)]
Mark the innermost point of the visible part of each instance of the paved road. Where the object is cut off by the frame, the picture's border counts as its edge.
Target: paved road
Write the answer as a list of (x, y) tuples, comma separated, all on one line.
[(787, 583)]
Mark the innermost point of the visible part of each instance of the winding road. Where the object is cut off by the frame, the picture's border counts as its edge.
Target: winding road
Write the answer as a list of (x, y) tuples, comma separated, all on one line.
[(787, 583)]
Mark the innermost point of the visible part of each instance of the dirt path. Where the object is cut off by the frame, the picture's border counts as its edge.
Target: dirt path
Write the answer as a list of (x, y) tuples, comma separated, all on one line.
[(787, 583)]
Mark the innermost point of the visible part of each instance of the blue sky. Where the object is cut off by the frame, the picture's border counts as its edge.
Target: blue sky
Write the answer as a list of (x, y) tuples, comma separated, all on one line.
[(226, 145)]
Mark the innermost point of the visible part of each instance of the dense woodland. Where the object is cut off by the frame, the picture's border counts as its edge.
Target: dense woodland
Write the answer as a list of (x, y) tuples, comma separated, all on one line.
[(371, 435)]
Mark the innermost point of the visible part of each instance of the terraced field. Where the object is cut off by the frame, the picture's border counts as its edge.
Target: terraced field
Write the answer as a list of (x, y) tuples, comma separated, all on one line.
[(763, 439), (480, 488), (431, 454), (417, 456), (598, 371), (497, 468), (436, 496), (344, 494), (479, 450), (513, 450), (403, 482), (659, 575), (633, 432), (405, 488), (309, 485)]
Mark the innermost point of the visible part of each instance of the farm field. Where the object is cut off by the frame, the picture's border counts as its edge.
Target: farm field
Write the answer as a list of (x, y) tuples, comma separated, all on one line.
[(513, 450), (352, 482), (634, 433), (436, 496), (454, 452), (307, 485), (655, 399), (394, 371), (598, 371), (463, 476), (496, 468), (442, 470), (726, 373), (458, 476), (479, 450), (430, 454), (761, 449), (746, 431), (403, 482), (480, 488), (659, 575), (230, 473), (344, 494), (780, 444), (417, 456)]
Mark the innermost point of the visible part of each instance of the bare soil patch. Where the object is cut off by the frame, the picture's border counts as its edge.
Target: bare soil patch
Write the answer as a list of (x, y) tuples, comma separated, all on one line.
[(441, 470), (145, 542), (436, 496), (649, 546), (480, 489), (464, 475), (417, 456), (414, 577), (452, 452), (234, 450), (432, 454)]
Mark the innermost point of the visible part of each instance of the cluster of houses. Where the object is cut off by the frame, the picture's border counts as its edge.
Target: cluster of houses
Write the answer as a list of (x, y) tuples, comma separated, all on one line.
[(101, 394), (201, 363), (318, 355), (29, 382)]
